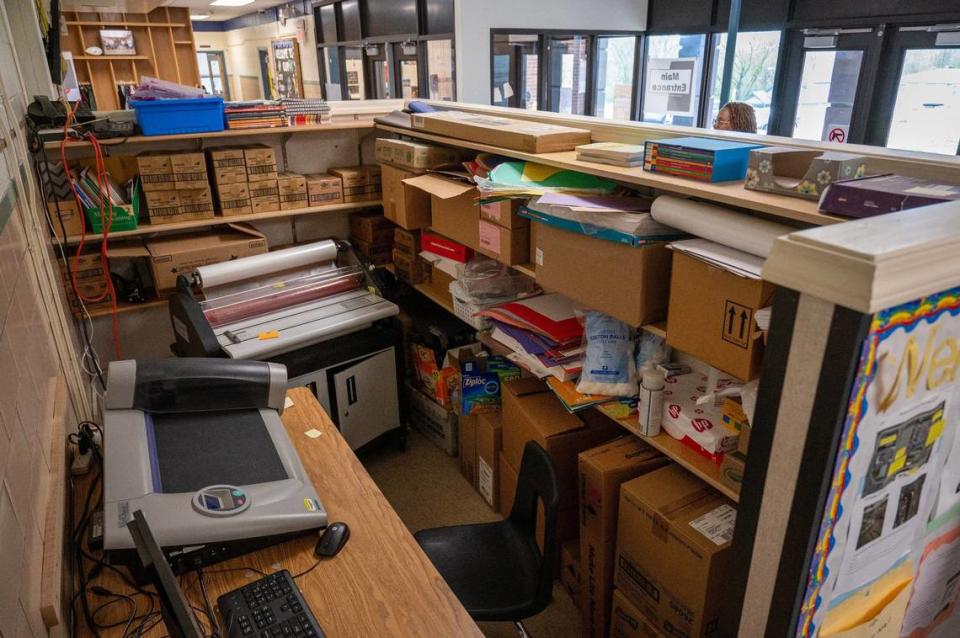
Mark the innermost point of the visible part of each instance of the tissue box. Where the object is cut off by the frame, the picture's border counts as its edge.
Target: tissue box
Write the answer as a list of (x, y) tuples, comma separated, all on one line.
[(797, 173), (698, 426)]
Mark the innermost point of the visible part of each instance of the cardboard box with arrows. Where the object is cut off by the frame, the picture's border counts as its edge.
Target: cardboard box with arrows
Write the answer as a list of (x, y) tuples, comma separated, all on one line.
[(712, 315)]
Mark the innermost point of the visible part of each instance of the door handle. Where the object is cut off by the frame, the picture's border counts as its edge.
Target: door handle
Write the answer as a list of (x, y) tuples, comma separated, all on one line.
[(351, 390)]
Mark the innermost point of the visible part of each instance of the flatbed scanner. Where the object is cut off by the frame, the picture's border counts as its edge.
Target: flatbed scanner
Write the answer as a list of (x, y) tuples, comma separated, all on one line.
[(198, 445)]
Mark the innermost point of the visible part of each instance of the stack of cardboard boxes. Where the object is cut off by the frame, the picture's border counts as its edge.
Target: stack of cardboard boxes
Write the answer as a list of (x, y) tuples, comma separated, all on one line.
[(324, 189), (261, 165), (175, 186), (360, 183), (372, 235), (229, 169), (408, 264)]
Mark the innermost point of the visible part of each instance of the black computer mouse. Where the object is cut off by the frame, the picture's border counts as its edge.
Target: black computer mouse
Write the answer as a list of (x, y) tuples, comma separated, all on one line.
[(332, 540)]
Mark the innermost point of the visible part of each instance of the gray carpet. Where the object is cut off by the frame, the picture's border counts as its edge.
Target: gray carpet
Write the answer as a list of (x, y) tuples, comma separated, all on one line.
[(426, 489)]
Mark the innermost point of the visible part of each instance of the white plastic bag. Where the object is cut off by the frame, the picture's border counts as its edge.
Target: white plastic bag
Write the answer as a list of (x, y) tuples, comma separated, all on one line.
[(608, 365)]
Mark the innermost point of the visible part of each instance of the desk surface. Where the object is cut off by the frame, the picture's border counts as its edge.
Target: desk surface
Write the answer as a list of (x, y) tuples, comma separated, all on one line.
[(380, 584)]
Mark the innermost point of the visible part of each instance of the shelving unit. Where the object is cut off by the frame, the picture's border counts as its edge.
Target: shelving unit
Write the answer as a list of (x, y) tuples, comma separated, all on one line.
[(432, 295), (154, 229), (164, 43)]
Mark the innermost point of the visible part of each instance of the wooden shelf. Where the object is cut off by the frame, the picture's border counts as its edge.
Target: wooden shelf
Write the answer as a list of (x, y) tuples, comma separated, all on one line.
[(702, 467), (151, 229), (432, 295), (229, 133), (725, 193), (526, 269), (122, 23), (659, 329), (111, 57), (187, 42), (106, 311)]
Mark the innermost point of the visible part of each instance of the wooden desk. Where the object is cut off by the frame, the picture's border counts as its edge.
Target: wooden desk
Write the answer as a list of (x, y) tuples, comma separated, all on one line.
[(380, 584)]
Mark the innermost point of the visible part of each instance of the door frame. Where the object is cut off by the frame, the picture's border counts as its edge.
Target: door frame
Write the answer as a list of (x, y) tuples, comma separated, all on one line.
[(899, 41), (263, 59), (868, 39), (224, 76)]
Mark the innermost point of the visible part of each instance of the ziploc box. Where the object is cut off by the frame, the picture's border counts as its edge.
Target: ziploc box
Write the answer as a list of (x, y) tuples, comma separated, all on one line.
[(700, 427), (480, 382), (674, 558)]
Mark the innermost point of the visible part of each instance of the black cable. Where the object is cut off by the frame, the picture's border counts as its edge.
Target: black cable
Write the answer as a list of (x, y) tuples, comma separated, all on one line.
[(206, 603), (309, 569)]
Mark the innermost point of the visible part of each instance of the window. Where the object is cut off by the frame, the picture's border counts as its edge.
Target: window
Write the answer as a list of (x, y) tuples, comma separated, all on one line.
[(754, 70), (440, 70), (568, 74), (409, 84), (516, 71), (828, 86), (353, 64), (672, 86), (613, 92), (926, 113)]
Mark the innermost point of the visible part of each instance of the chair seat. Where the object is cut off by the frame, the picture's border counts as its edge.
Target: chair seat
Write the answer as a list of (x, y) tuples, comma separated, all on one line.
[(492, 568)]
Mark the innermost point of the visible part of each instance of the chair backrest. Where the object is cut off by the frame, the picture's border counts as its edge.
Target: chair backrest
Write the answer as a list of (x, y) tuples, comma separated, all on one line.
[(538, 481)]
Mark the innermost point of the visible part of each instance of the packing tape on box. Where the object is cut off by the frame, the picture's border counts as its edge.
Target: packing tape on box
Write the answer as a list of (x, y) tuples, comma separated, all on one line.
[(716, 223), (267, 263)]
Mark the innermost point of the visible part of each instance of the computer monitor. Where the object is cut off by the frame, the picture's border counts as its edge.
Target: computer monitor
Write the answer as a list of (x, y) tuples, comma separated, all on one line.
[(174, 606)]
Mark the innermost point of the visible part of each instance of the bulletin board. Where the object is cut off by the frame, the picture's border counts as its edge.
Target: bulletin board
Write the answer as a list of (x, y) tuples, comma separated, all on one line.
[(288, 74)]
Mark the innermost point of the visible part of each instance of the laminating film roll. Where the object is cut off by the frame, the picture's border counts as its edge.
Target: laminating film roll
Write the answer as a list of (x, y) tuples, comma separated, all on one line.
[(239, 269), (718, 224)]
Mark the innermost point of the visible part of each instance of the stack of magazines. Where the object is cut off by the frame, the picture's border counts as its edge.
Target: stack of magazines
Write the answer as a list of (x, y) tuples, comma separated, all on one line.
[(304, 111), (254, 114), (91, 194)]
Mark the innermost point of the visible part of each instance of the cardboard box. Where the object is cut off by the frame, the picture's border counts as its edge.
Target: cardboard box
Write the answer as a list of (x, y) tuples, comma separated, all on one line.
[(410, 268), (261, 162), (467, 442), (586, 269), (156, 171), (189, 170), (415, 156), (227, 157), (68, 213), (566, 516), (378, 255), (403, 204), (264, 204), (293, 201), (674, 550), (262, 173), (440, 284), (732, 468), (88, 270), (703, 299), (489, 439), (196, 203), (481, 380), (570, 572), (234, 199), (324, 189), (531, 412), (504, 213), (435, 422), (293, 191), (453, 207), (230, 175), (799, 173), (162, 206), (444, 247), (265, 188), (182, 254), (372, 228), (509, 246), (743, 443), (626, 621), (360, 183), (882, 194), (406, 241), (602, 470), (519, 135)]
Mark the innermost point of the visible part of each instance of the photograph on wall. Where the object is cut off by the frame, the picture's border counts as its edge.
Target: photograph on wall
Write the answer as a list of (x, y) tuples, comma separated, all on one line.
[(117, 42)]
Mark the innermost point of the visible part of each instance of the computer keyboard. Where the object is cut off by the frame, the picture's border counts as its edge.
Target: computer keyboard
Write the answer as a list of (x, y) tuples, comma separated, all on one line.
[(271, 607)]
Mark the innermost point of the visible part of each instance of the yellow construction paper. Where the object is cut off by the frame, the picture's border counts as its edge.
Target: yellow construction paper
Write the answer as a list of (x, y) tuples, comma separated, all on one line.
[(874, 611), (538, 172)]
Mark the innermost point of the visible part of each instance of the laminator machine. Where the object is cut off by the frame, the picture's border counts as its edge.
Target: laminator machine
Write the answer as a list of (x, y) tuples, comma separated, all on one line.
[(198, 445), (312, 308)]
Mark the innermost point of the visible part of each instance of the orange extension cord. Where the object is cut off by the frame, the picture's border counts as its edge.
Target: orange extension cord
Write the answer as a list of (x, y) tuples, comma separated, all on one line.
[(105, 220)]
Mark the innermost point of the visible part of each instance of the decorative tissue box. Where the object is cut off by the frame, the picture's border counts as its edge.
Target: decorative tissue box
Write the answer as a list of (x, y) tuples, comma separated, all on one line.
[(797, 173)]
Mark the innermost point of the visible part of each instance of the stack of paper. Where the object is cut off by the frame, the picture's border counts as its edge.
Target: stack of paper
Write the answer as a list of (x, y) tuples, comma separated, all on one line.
[(254, 114), (614, 153), (623, 220), (729, 259), (527, 179), (575, 401)]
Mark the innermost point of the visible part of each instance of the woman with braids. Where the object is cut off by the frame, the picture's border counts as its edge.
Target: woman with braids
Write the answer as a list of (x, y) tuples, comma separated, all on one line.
[(736, 116)]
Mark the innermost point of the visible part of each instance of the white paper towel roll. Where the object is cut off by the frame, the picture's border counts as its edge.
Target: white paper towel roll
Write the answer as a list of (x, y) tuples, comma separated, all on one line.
[(267, 263), (719, 224)]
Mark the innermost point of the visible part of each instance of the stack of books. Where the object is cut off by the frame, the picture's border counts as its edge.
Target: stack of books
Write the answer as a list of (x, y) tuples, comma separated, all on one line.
[(305, 111), (254, 114), (90, 193), (698, 158), (543, 334), (613, 153)]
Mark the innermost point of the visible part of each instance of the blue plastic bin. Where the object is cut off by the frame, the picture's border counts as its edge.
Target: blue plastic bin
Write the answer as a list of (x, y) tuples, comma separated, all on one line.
[(178, 116)]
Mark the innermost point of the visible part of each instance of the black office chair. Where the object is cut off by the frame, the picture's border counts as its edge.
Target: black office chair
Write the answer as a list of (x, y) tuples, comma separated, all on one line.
[(496, 569)]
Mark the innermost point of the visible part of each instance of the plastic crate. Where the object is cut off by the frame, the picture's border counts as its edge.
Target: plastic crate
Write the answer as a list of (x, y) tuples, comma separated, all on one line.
[(464, 310), (179, 116)]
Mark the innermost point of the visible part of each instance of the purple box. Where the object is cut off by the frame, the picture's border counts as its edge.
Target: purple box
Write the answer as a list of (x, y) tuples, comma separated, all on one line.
[(883, 194)]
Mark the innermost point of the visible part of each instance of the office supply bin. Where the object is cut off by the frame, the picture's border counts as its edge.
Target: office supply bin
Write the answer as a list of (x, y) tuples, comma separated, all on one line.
[(179, 116)]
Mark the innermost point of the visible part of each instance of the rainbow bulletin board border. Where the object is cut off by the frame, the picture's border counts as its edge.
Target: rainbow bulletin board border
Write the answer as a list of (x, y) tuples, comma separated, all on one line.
[(907, 317)]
